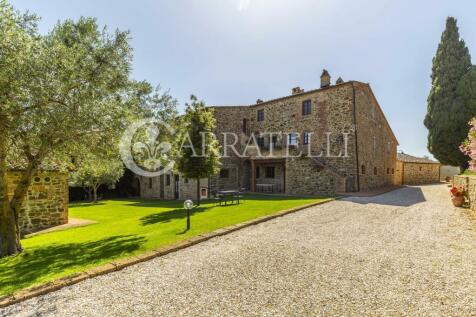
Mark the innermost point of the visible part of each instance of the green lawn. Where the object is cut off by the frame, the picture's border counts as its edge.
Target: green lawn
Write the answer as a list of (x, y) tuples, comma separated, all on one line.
[(469, 172), (124, 227)]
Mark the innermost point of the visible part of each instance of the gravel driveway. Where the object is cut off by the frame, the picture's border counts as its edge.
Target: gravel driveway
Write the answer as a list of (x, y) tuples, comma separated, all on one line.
[(407, 252)]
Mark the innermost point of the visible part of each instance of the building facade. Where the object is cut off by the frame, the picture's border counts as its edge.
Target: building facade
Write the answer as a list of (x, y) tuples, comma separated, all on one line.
[(412, 170), (329, 140), (46, 203), (319, 142)]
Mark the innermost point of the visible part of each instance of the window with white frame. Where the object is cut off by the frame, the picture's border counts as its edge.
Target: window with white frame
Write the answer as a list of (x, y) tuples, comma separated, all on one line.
[(293, 139)]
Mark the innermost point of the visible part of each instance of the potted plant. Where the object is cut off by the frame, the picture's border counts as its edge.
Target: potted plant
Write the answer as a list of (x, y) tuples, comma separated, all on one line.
[(457, 196)]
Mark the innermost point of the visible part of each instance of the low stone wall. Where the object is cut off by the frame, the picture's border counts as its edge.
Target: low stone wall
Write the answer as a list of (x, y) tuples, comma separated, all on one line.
[(420, 173), (469, 183), (46, 204)]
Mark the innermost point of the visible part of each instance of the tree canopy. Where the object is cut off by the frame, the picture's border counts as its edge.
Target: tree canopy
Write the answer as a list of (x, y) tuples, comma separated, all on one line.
[(198, 150), (449, 109), (62, 94)]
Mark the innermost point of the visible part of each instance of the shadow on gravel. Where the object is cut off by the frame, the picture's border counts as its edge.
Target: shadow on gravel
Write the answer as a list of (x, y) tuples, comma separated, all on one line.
[(403, 197)]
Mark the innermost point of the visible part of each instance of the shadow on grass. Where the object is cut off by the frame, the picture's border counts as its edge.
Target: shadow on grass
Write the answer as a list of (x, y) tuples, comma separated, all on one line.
[(85, 204), (169, 215), (32, 265), (178, 204)]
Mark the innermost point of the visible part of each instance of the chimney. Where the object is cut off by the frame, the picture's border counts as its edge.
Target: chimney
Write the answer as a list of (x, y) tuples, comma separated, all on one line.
[(297, 90), (259, 101), (339, 81), (325, 79)]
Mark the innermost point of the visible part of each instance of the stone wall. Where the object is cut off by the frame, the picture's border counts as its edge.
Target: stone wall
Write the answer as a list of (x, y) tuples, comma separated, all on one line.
[(377, 145), (469, 183), (399, 173), (234, 179), (46, 204), (347, 129), (420, 173), (159, 188), (332, 111)]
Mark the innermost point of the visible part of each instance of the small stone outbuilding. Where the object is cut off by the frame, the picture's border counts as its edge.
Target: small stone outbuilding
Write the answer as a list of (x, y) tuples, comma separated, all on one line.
[(412, 170), (46, 204)]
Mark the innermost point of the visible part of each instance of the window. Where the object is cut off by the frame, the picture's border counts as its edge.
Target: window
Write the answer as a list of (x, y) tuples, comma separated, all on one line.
[(363, 169), (306, 138), (270, 172), (388, 171), (185, 180), (274, 141), (260, 141), (224, 173), (245, 126), (306, 107), (167, 180), (260, 114), (150, 183), (420, 168), (393, 171), (257, 171), (293, 139), (375, 171)]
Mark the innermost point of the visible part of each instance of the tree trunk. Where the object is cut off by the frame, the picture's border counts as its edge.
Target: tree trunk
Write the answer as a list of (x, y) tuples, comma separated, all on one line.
[(95, 193), (198, 191), (20, 193), (9, 233)]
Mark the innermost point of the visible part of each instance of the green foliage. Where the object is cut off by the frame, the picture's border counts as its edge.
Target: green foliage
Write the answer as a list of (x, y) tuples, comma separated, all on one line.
[(198, 150), (96, 171), (62, 95), (124, 228), (450, 103), (469, 173)]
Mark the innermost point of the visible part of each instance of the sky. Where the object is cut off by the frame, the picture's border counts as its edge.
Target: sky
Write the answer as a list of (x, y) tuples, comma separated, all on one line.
[(232, 52)]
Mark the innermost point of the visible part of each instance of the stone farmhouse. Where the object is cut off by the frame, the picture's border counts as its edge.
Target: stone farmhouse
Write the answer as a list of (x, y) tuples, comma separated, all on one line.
[(46, 203), (319, 142), (412, 170)]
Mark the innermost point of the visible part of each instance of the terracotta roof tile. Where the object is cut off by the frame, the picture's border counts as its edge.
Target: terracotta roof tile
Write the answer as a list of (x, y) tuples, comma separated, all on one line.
[(406, 158)]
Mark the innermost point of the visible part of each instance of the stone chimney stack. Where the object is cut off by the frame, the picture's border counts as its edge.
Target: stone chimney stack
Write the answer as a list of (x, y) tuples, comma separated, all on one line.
[(339, 81), (259, 101), (325, 79), (297, 90)]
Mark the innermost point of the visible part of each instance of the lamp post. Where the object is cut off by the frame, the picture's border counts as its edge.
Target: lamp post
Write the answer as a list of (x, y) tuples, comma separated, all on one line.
[(188, 204)]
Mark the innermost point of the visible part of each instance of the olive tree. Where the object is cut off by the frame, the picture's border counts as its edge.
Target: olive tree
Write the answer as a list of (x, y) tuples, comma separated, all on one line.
[(60, 94), (97, 171)]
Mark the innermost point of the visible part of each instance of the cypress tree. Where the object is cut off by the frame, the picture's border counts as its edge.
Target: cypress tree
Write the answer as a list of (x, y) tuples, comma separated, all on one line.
[(447, 117)]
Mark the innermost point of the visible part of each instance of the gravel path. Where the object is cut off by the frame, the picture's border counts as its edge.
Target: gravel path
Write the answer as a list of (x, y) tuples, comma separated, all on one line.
[(407, 252)]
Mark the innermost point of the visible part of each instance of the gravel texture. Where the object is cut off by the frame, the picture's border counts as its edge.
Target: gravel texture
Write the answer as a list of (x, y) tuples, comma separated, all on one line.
[(407, 252)]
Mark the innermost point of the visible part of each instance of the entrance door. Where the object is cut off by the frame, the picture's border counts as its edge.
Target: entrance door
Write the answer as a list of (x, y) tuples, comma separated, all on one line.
[(176, 187)]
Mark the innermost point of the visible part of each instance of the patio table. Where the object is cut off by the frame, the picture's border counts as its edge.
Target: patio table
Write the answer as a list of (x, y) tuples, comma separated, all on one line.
[(233, 195)]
